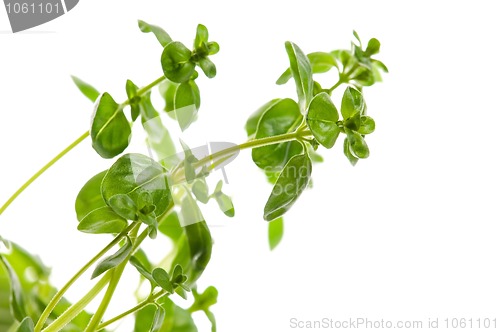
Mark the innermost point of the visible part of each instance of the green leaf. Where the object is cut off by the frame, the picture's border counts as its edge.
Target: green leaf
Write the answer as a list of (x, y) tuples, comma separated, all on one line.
[(280, 118), (110, 129), (26, 325), (17, 301), (189, 160), (373, 47), (186, 103), (134, 174), (158, 319), (357, 144), (291, 183), (321, 62), (201, 36), (213, 48), (124, 206), (102, 220), (301, 72), (158, 136), (347, 152), (171, 226), (275, 232), (88, 90), (211, 318), (200, 190), (176, 62), (253, 120), (367, 125), (133, 98), (356, 36), (352, 102), (89, 198), (143, 270), (176, 318), (322, 117), (204, 300), (112, 261), (224, 201), (159, 33), (208, 67), (163, 279)]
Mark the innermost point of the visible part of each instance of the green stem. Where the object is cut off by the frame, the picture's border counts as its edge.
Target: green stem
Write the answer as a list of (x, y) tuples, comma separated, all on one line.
[(146, 302), (115, 279), (254, 143), (53, 302), (339, 83), (42, 170), (76, 308), (140, 92)]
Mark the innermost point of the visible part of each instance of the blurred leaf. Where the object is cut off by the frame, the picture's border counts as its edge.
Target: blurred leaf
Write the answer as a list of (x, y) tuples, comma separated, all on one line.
[(114, 260), (17, 301), (134, 174), (110, 129), (280, 118), (143, 270), (373, 47), (347, 152), (253, 120), (291, 183), (201, 36), (208, 67), (200, 190), (367, 125), (357, 144), (185, 103), (26, 325), (88, 90), (159, 33), (275, 232), (89, 198), (301, 72), (322, 117), (176, 318), (158, 319), (224, 201), (133, 98), (176, 62), (102, 220)]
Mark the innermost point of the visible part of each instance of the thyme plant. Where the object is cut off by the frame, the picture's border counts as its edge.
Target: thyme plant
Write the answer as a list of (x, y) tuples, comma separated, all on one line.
[(141, 197)]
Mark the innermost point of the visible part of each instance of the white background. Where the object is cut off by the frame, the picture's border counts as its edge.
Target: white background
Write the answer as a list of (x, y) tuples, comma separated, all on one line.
[(409, 234)]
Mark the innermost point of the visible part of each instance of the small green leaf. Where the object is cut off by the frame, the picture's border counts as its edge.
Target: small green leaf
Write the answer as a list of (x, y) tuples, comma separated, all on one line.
[(142, 270), (321, 62), (347, 152), (213, 48), (200, 190), (26, 325), (189, 160), (204, 300), (89, 198), (373, 47), (367, 125), (110, 129), (201, 36), (353, 122), (181, 292), (352, 102), (208, 67), (322, 117), (102, 220), (291, 183), (134, 174), (176, 62), (124, 206), (225, 203), (112, 261), (302, 74), (280, 118), (159, 33), (253, 120), (158, 319), (356, 36), (163, 279), (357, 144), (275, 232), (134, 100), (17, 302), (88, 90), (186, 103)]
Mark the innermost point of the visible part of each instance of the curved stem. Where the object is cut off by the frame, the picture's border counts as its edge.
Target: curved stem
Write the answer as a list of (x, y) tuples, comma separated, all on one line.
[(76, 308), (146, 302), (42, 170), (53, 302)]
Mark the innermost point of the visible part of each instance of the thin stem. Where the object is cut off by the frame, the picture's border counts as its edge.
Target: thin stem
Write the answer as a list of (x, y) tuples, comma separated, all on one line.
[(42, 170), (140, 92), (115, 279), (339, 83), (53, 302), (146, 302), (76, 308)]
